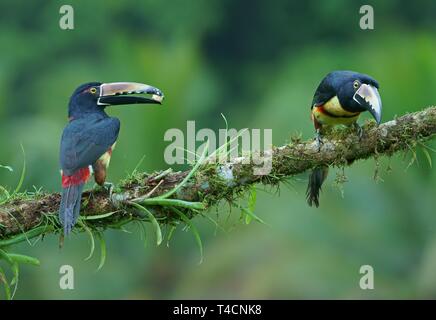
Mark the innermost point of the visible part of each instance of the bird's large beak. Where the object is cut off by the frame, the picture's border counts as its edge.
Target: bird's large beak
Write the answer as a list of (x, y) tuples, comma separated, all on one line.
[(369, 98), (116, 93)]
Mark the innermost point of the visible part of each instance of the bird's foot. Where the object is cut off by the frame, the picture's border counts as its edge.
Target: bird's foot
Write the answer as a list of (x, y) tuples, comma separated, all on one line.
[(318, 139), (109, 186), (359, 130)]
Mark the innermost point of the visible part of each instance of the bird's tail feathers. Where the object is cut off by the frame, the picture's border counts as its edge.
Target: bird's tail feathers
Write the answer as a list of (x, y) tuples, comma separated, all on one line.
[(70, 206), (316, 179)]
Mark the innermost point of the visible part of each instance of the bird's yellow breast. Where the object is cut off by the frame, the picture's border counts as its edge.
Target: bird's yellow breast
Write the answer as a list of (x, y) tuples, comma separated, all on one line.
[(332, 113), (106, 157)]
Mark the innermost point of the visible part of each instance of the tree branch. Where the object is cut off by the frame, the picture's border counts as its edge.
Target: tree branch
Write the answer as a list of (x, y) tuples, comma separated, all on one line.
[(25, 216)]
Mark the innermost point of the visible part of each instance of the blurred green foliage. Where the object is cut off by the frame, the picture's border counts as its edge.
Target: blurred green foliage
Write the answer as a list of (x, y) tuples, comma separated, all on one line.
[(258, 62)]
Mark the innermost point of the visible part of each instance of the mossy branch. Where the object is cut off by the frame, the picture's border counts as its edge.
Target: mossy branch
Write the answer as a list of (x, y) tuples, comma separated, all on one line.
[(27, 216)]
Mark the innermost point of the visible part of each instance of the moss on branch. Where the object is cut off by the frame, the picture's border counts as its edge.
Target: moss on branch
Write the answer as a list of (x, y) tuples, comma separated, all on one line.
[(26, 216)]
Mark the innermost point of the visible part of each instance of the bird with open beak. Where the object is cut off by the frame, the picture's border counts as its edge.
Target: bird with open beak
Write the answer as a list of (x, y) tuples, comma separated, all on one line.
[(90, 136), (339, 100)]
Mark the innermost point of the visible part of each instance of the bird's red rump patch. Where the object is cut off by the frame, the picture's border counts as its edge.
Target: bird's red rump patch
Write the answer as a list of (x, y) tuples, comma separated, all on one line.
[(81, 176)]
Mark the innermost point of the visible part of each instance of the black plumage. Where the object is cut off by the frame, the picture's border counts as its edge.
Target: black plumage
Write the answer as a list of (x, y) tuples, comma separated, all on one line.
[(339, 100)]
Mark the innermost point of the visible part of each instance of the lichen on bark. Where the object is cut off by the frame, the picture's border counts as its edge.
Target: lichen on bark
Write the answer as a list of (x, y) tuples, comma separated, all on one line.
[(214, 182)]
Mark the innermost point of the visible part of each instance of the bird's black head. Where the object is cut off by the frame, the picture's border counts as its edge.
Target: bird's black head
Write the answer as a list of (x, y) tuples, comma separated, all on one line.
[(356, 92), (84, 100), (93, 97)]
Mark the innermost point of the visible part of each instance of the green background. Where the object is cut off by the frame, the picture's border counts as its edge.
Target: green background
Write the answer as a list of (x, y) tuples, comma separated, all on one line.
[(257, 62)]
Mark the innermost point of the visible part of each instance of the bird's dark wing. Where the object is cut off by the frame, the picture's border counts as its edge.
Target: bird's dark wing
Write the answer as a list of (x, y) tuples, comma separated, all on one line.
[(323, 93), (84, 141)]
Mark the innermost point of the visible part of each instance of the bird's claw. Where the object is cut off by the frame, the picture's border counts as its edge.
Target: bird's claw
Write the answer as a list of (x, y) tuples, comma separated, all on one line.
[(318, 139), (359, 130), (109, 186)]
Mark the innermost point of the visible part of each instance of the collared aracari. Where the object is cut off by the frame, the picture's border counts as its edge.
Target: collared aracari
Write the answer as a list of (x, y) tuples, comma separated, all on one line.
[(339, 100), (90, 136)]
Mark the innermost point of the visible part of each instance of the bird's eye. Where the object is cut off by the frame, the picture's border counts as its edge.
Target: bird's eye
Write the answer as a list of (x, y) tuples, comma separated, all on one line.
[(356, 84), (93, 90)]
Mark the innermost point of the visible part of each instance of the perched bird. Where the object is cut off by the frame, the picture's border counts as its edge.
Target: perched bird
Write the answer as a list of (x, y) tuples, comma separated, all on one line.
[(339, 99), (90, 136)]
